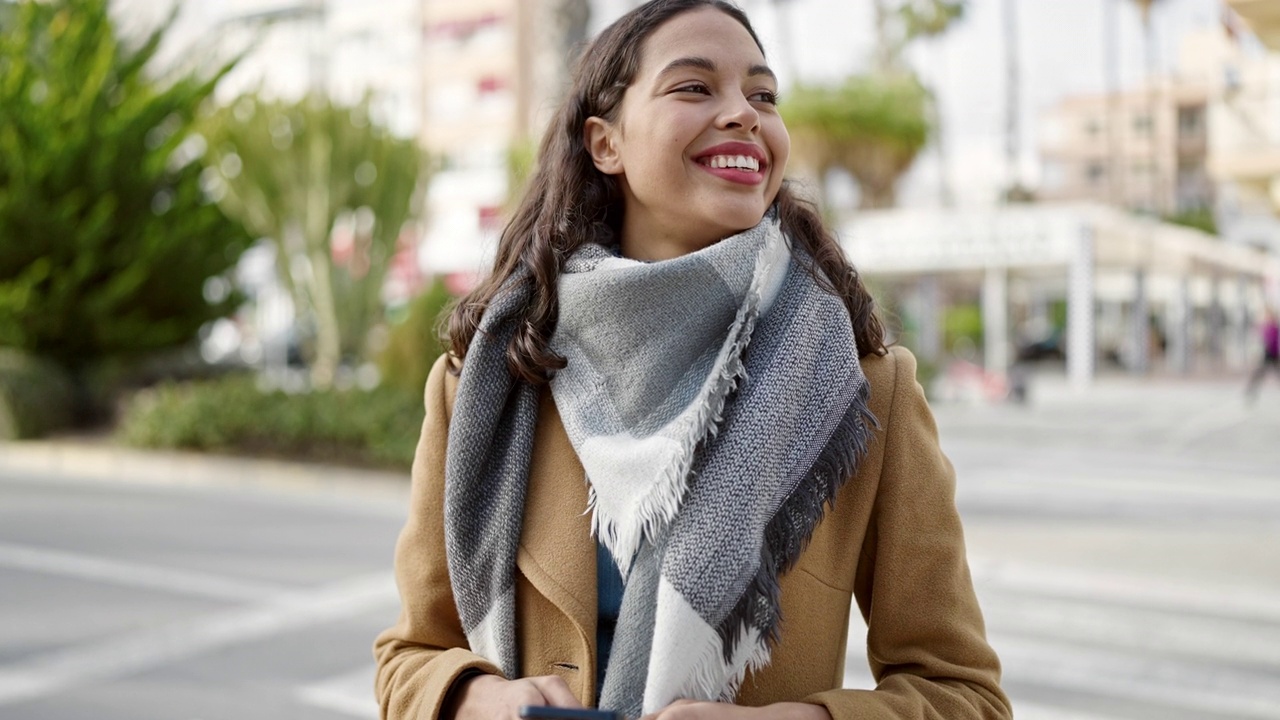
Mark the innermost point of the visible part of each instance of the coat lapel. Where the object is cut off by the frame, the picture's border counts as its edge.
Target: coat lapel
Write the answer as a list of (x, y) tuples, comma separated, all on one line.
[(557, 553)]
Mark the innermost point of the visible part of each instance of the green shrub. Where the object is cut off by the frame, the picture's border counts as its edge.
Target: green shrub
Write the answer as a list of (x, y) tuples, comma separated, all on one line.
[(414, 343), (36, 396), (230, 414), (107, 237)]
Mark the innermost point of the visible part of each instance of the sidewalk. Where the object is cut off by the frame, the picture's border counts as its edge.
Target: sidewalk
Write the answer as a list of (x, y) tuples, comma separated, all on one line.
[(98, 458), (1199, 416)]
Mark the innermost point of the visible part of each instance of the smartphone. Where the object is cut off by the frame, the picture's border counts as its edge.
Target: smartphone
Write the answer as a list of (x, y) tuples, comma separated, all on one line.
[(546, 712)]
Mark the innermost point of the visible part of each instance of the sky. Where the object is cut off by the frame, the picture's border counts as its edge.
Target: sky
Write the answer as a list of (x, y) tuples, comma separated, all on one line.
[(1061, 52)]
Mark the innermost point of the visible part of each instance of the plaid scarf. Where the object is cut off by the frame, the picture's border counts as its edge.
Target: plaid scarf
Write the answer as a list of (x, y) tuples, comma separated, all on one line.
[(708, 463)]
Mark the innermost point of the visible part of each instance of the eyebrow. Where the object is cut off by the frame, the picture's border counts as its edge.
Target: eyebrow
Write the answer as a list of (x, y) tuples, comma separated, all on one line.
[(702, 63)]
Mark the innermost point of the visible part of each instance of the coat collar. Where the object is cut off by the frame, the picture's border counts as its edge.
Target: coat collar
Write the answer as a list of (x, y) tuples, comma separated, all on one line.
[(557, 551)]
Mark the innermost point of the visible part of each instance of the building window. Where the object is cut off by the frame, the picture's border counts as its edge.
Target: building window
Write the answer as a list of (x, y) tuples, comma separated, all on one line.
[(1191, 121), (1096, 172), (1142, 124), (1092, 128)]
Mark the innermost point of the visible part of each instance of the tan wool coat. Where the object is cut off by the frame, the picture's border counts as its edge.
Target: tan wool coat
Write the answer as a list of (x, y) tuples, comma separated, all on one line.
[(892, 542)]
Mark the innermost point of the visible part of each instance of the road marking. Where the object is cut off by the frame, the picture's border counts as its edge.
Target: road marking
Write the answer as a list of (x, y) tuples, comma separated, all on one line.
[(1161, 682), (136, 652), (151, 577), (1070, 583), (349, 694), (1024, 710), (1158, 633)]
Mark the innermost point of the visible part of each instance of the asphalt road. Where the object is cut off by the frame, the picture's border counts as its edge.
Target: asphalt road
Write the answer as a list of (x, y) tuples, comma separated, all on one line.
[(1125, 545), (140, 601)]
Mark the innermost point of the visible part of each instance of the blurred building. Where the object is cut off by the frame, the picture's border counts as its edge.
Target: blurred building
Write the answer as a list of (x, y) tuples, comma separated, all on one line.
[(1145, 149), (290, 47), (1135, 293), (1244, 119), (1263, 18), (493, 71)]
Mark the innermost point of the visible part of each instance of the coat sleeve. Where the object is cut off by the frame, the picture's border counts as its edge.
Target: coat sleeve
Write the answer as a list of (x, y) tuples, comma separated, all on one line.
[(926, 641), (420, 658)]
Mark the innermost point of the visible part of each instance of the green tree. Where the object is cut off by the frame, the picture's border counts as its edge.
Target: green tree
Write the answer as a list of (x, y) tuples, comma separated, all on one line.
[(875, 124), (106, 239), (291, 172)]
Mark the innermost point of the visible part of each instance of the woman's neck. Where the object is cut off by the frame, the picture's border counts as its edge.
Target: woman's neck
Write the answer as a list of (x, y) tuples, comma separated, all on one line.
[(649, 243)]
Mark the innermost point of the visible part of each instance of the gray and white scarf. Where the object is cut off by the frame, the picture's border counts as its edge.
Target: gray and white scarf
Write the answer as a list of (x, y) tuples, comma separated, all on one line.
[(708, 463)]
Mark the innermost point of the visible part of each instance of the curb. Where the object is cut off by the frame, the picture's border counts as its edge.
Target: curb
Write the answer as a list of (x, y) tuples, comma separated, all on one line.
[(104, 462)]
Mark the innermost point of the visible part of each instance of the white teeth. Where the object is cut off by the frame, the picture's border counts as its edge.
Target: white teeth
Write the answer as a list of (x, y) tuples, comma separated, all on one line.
[(741, 162)]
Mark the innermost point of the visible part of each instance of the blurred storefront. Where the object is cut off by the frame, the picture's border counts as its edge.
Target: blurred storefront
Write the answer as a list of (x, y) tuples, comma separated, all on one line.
[(1146, 294)]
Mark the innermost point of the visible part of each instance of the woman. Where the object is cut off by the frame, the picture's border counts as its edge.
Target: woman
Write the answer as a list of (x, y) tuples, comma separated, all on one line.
[(1270, 330), (670, 446)]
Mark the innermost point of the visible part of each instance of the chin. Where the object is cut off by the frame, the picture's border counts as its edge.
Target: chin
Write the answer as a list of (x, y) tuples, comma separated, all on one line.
[(745, 219)]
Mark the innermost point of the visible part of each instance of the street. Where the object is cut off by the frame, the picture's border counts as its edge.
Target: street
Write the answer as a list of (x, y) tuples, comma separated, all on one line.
[(138, 600), (1125, 545)]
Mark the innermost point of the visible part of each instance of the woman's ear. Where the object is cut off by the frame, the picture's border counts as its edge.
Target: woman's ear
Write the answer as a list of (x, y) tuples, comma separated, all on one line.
[(598, 137)]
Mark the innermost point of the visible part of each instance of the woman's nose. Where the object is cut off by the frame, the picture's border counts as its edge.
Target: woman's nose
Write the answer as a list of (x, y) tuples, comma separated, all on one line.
[(739, 113)]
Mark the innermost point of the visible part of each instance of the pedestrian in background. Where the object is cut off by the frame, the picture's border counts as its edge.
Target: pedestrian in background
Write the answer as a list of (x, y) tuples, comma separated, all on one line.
[(669, 446), (1270, 353)]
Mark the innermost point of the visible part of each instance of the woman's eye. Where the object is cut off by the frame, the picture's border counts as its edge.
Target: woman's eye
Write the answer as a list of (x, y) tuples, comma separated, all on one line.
[(766, 96), (698, 88)]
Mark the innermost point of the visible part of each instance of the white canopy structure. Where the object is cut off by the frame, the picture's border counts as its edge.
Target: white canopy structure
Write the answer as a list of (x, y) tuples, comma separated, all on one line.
[(1112, 268)]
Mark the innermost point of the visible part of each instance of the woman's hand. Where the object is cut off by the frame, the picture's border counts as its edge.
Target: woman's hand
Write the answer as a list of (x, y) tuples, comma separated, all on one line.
[(489, 697), (697, 710)]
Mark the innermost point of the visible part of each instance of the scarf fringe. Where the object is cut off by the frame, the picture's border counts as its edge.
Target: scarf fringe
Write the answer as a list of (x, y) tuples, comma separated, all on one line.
[(708, 680), (791, 529), (660, 505)]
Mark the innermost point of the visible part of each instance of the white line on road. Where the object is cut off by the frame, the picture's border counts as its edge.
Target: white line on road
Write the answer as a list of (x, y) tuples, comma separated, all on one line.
[(1104, 587), (136, 652), (349, 694), (1158, 681), (1158, 633), (152, 577), (1024, 710)]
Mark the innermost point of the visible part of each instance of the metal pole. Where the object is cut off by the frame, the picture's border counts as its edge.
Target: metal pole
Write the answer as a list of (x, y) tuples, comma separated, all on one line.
[(1139, 329), (1080, 325), (1180, 326), (995, 319)]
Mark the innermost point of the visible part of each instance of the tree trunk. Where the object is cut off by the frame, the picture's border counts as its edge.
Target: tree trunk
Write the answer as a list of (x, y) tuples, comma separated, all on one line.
[(884, 43), (877, 197), (328, 341)]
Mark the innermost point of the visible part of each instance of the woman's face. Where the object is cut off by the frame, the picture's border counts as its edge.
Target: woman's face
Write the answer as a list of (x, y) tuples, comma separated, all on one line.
[(697, 145)]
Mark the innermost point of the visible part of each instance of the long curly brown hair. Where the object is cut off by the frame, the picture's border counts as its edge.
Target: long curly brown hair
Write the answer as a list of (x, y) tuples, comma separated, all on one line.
[(569, 202)]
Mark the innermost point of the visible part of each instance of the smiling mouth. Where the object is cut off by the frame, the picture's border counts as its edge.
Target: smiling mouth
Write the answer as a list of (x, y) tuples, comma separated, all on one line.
[(741, 163)]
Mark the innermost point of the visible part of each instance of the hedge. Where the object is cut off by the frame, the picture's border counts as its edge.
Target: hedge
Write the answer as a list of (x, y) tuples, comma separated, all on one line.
[(36, 396), (379, 427)]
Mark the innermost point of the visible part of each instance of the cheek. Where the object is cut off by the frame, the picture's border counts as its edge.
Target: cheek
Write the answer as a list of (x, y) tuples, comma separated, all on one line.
[(780, 144)]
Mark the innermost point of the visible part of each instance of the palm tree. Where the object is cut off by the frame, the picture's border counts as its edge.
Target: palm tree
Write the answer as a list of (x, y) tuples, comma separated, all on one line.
[(265, 172), (873, 125)]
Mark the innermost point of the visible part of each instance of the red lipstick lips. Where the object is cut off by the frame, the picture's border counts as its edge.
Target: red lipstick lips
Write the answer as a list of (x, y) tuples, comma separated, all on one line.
[(737, 162)]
